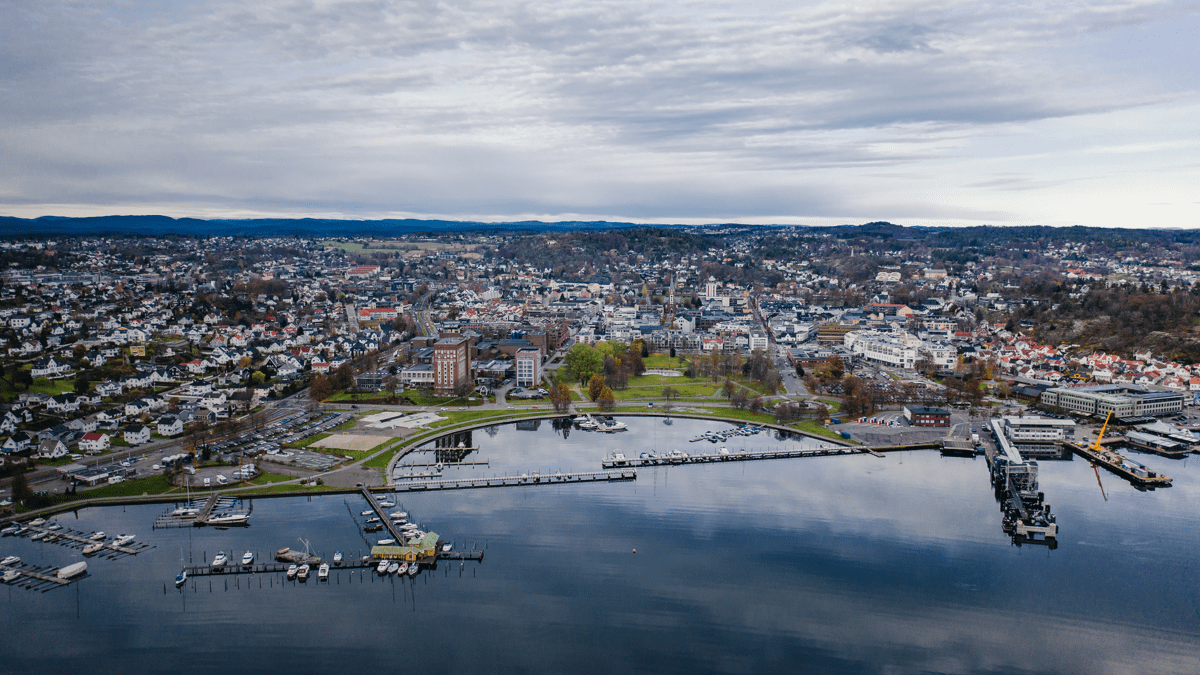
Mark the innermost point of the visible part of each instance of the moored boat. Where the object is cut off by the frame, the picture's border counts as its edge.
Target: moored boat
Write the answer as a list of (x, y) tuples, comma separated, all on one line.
[(181, 578), (385, 542), (382, 567), (292, 570), (97, 536), (323, 572), (37, 522), (11, 576), (124, 539), (392, 567), (220, 559), (302, 572), (229, 519), (93, 548), (412, 570), (446, 547), (248, 558), (403, 569), (337, 557), (71, 571), (10, 560)]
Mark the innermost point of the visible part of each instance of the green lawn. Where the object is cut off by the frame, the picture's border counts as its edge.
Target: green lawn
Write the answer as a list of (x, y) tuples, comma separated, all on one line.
[(268, 478), (305, 442), (814, 427), (655, 392), (291, 487), (40, 386), (154, 485)]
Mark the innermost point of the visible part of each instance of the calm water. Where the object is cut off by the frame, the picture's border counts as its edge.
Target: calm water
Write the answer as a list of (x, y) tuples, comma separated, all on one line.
[(840, 565)]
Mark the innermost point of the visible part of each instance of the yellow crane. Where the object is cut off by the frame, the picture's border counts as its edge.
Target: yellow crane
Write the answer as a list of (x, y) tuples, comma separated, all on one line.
[(1096, 446)]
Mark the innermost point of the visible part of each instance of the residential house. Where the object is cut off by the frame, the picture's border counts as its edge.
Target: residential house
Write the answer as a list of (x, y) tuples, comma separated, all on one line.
[(95, 443), (51, 449), (137, 434)]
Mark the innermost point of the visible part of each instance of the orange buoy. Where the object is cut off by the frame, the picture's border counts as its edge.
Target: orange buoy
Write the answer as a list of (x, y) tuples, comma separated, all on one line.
[(635, 550)]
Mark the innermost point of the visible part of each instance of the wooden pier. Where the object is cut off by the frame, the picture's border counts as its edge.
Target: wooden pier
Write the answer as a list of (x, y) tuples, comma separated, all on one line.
[(479, 463), (384, 519), (513, 481), (35, 577), (83, 540), (668, 460), (207, 509), (282, 568)]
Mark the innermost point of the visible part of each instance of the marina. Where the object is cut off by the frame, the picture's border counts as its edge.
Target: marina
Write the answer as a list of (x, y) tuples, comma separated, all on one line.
[(677, 457), (39, 577), (94, 543), (1131, 470)]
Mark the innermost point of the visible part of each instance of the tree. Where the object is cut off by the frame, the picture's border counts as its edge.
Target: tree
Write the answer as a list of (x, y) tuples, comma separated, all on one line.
[(728, 388), (24, 379), (756, 404), (560, 397), (636, 366), (20, 487), (82, 383), (670, 392), (257, 378), (739, 399), (606, 400), (581, 362), (596, 387), (320, 388)]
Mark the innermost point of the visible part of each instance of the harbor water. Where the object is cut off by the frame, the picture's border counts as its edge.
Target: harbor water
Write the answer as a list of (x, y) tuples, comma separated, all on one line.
[(843, 564)]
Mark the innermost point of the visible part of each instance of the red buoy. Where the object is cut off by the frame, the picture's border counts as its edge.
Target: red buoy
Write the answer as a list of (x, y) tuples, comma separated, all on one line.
[(635, 550)]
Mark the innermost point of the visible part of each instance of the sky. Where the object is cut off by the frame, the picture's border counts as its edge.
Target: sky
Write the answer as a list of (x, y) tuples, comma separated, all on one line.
[(916, 112)]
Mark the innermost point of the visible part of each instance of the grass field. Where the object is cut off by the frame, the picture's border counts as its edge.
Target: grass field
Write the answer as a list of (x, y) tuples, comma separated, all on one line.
[(814, 427), (154, 485), (655, 392), (40, 386), (305, 442)]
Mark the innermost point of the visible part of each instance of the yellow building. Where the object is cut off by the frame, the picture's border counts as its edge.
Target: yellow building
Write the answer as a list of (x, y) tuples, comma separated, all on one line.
[(424, 548)]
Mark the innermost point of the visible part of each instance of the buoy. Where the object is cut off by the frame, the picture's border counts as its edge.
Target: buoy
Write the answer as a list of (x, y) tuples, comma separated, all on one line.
[(635, 550)]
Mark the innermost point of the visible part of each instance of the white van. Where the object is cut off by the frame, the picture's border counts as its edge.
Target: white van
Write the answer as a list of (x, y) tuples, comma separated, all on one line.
[(207, 482), (189, 470), (222, 479)]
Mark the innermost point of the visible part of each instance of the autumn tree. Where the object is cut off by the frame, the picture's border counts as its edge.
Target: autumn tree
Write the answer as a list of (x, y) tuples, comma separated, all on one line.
[(596, 386), (606, 400)]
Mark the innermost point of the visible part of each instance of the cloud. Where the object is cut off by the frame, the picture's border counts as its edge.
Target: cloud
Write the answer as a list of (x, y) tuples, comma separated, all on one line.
[(615, 109)]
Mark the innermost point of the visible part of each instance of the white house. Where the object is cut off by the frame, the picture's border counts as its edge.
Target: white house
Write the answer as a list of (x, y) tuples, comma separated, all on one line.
[(48, 367), (212, 400), (51, 449), (169, 426), (95, 443), (137, 434)]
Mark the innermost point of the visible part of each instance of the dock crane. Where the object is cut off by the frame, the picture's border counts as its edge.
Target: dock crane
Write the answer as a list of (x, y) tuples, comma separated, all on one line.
[(1098, 448)]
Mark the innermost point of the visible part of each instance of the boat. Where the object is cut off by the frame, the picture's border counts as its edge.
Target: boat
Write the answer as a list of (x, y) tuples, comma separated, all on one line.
[(10, 560), (337, 557), (248, 558), (373, 528), (723, 451), (412, 570), (409, 526), (50, 536), (37, 522), (446, 547), (123, 539), (612, 426), (368, 512), (292, 571), (181, 578), (11, 576), (10, 530), (618, 459), (387, 503), (323, 572), (392, 567), (55, 526), (186, 512), (93, 548), (71, 571), (382, 567), (376, 519), (229, 519), (302, 572), (220, 559), (385, 542), (97, 536), (398, 515), (403, 570), (36, 536)]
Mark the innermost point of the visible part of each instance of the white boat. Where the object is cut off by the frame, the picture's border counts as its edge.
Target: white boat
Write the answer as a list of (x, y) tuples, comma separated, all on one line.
[(302, 572), (11, 576), (403, 569), (229, 519), (55, 526), (248, 558), (72, 570), (323, 572), (412, 570), (292, 570), (220, 559), (614, 426), (392, 567), (368, 512), (398, 515), (185, 512), (181, 578), (11, 529), (409, 526), (382, 567), (337, 557), (97, 536), (385, 542), (123, 539), (36, 535), (376, 519), (93, 548), (723, 451), (10, 560), (37, 522), (387, 503)]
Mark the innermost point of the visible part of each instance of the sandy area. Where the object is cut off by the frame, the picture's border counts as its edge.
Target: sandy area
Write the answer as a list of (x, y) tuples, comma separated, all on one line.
[(351, 442)]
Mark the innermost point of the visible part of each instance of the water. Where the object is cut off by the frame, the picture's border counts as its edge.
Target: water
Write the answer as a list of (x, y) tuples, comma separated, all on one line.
[(852, 564)]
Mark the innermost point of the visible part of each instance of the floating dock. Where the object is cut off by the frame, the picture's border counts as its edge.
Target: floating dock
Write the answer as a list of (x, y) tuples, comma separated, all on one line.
[(683, 458), (282, 568), (534, 478), (78, 540), (1135, 472), (36, 577)]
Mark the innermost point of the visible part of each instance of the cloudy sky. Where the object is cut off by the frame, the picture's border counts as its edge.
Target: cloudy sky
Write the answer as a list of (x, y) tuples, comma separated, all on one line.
[(918, 112)]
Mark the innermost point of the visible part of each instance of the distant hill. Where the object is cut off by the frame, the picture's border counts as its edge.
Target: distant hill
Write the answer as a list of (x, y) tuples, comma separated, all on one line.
[(265, 227)]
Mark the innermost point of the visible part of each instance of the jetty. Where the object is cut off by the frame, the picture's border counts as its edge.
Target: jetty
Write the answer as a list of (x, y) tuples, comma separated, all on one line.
[(676, 457), (1135, 472), (35, 577), (533, 478), (77, 539), (366, 562)]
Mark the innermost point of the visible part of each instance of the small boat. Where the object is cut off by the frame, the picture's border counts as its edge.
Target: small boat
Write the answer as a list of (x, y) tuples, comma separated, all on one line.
[(292, 571), (323, 572), (403, 570), (302, 572), (723, 451), (395, 515), (385, 542), (92, 549), (409, 526), (124, 539), (36, 536), (248, 558), (376, 519), (229, 519), (446, 547), (10, 576), (382, 567), (337, 557), (373, 528), (186, 512), (10, 530), (181, 578), (37, 522), (72, 570), (392, 567), (220, 559), (412, 570), (387, 503), (368, 512), (10, 560), (97, 536), (50, 536), (55, 526)]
